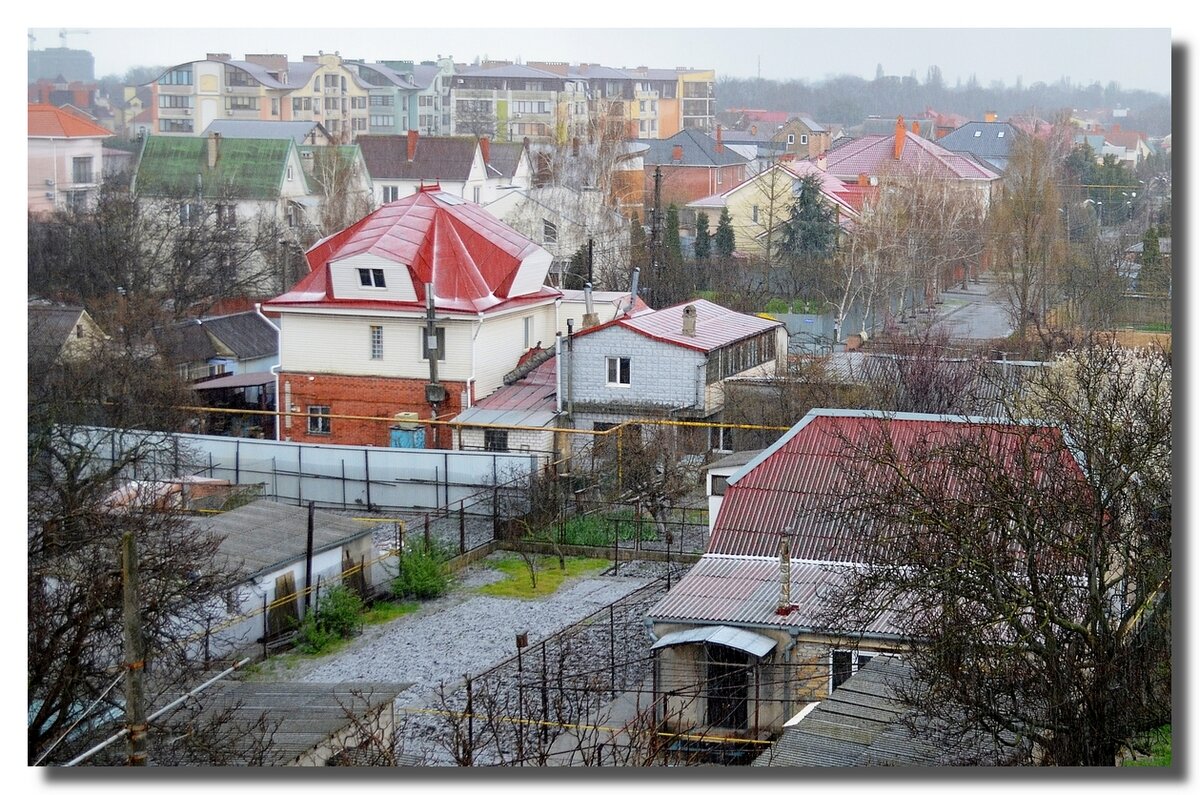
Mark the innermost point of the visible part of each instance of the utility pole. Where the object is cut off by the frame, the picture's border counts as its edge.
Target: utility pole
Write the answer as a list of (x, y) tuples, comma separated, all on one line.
[(591, 260), (656, 223), (135, 654), (435, 392)]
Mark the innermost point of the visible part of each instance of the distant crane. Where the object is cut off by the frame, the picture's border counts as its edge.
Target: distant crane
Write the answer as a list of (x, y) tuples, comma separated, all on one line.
[(32, 41), (62, 34)]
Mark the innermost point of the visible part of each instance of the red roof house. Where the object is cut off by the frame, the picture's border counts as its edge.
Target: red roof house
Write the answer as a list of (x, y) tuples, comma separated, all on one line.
[(65, 159), (354, 339)]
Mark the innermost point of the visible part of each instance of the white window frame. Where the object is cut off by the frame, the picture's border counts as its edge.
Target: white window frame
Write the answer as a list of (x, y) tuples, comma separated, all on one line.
[(528, 332), (613, 367), (803, 139), (372, 278), (791, 138), (391, 193), (376, 342), (319, 421)]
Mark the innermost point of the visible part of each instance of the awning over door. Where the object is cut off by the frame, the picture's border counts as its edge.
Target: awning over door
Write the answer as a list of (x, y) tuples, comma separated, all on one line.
[(749, 642)]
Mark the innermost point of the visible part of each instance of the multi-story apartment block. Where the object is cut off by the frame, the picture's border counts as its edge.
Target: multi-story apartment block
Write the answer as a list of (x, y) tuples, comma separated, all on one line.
[(404, 96), (187, 97)]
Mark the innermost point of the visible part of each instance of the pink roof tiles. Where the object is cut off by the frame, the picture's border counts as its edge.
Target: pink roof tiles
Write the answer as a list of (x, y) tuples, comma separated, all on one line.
[(716, 326), (475, 262), (875, 155)]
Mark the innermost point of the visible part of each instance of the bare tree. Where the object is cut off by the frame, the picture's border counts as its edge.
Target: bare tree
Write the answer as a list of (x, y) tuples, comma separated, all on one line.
[(1029, 562), (345, 190)]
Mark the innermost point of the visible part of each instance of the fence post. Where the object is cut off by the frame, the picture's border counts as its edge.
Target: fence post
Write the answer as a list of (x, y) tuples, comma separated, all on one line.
[(545, 696), (612, 651), (266, 629), (470, 749), (462, 528), (427, 538), (367, 475)]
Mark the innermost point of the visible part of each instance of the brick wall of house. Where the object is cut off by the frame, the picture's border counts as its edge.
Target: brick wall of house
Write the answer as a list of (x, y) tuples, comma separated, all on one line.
[(363, 396), (684, 184)]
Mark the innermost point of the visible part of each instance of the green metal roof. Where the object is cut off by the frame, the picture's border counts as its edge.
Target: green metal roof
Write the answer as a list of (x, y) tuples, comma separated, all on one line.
[(245, 169)]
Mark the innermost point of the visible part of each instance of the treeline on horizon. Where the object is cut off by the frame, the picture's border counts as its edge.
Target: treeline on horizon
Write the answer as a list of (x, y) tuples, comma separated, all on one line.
[(847, 99)]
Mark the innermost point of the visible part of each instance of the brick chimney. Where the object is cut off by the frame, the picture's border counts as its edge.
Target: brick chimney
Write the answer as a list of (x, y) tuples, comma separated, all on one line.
[(677, 153), (218, 56), (214, 146), (272, 61), (863, 180), (412, 145), (990, 116), (754, 129), (916, 128), (485, 148), (898, 147), (720, 145), (689, 320)]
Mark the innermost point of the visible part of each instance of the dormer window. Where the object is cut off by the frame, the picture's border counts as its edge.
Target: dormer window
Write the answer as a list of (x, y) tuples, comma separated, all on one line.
[(371, 277)]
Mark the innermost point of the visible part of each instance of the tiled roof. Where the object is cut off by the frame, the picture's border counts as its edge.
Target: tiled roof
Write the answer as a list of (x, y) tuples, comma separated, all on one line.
[(436, 158), (47, 121), (874, 154), (983, 139), (743, 590), (791, 487), (247, 334), (472, 259), (505, 157), (699, 149), (716, 326), (245, 169)]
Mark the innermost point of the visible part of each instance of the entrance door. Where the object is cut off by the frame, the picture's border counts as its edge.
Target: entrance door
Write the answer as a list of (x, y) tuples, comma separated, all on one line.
[(728, 683)]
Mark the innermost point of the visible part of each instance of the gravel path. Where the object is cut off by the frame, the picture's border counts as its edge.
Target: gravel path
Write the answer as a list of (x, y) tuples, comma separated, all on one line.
[(461, 633)]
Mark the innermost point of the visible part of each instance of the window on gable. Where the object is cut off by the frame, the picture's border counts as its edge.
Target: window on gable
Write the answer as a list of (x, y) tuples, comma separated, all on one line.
[(803, 139), (754, 213), (391, 193), (227, 215), (618, 371), (791, 138), (376, 342), (319, 420), (371, 277)]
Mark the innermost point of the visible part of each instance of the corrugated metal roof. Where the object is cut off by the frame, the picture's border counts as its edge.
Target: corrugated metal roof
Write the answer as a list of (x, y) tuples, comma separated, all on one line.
[(471, 257), (749, 642), (793, 486), (248, 334), (745, 590), (245, 168), (235, 381)]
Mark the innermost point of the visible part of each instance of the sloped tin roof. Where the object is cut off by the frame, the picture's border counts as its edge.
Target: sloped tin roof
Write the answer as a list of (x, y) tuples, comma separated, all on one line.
[(789, 489), (471, 258), (875, 154), (245, 168), (716, 326)]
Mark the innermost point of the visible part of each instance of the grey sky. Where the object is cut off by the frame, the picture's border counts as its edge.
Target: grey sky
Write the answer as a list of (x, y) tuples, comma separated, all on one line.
[(1134, 58)]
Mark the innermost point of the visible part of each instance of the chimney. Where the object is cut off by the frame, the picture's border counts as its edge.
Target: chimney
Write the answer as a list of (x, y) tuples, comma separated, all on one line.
[(677, 153), (821, 162), (785, 577), (863, 181), (633, 290), (485, 148), (898, 148), (689, 320), (412, 145), (720, 145), (214, 146), (754, 129), (590, 318), (990, 116), (1116, 127), (916, 128), (219, 56)]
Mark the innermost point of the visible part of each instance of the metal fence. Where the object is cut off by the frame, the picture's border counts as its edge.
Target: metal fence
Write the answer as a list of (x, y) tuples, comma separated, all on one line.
[(332, 476)]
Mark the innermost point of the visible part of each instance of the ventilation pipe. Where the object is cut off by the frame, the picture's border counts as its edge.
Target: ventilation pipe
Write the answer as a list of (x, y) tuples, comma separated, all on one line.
[(633, 290), (689, 320), (590, 318), (785, 577)]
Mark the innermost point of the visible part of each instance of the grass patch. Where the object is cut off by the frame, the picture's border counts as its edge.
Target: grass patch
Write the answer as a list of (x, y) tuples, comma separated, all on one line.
[(1157, 746), (383, 612), (597, 530), (518, 584)]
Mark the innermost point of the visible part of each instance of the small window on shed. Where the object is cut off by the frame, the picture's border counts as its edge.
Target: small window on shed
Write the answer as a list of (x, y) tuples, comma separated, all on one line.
[(719, 484)]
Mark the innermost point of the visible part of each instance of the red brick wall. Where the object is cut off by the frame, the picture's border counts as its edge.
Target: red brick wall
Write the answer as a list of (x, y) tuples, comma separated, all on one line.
[(684, 184), (363, 396)]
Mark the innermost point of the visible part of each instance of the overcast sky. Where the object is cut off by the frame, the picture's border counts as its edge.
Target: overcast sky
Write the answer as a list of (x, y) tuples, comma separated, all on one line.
[(1134, 58)]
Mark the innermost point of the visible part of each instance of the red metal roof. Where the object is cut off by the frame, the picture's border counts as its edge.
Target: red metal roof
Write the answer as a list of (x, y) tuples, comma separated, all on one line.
[(535, 391), (716, 326), (471, 258), (793, 485), (47, 121)]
